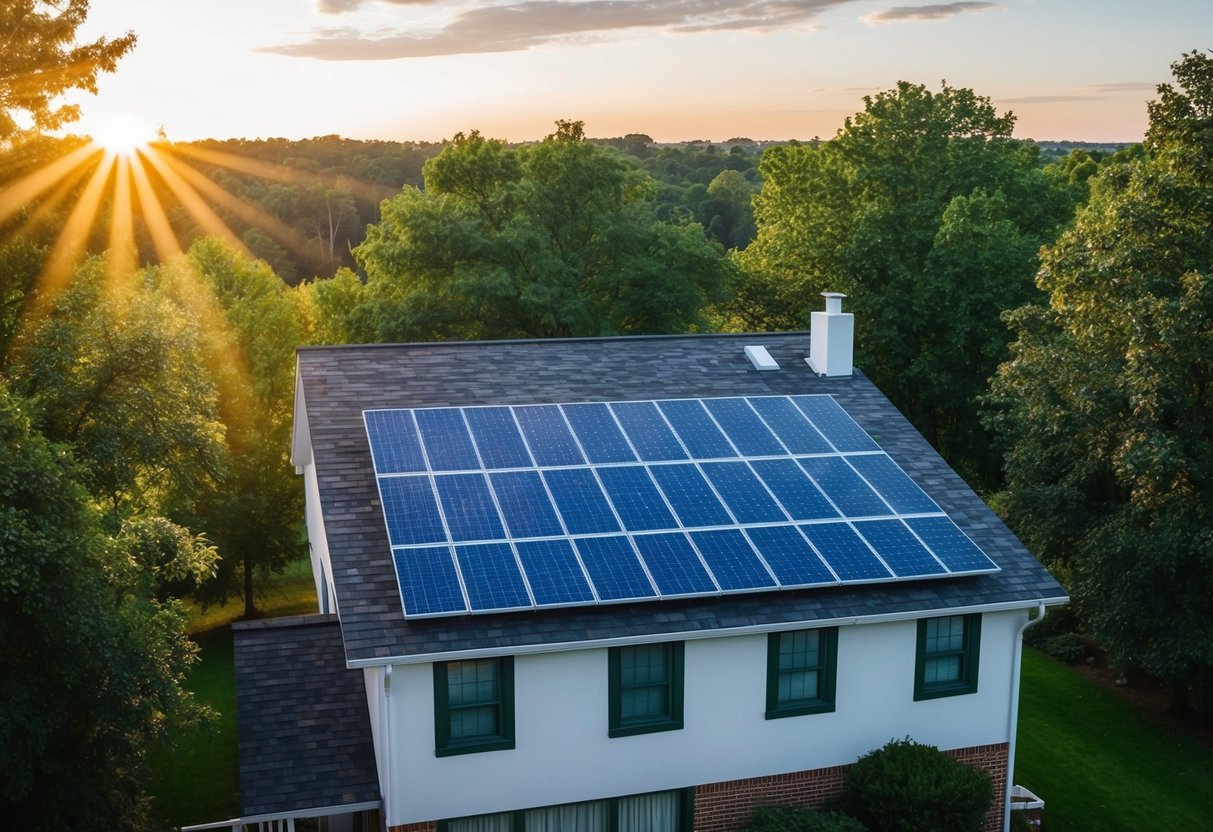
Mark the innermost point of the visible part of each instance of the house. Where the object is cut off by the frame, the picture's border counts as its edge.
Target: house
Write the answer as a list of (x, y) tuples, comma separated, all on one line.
[(718, 589)]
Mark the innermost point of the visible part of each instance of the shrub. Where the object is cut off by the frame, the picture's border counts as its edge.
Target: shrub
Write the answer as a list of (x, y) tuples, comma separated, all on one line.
[(910, 787), (1067, 647), (782, 819)]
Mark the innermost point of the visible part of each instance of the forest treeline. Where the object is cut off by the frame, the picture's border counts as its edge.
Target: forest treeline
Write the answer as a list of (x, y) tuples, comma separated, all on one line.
[(1044, 318)]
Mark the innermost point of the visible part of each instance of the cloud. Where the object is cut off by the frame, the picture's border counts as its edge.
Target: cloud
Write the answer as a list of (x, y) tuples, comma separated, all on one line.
[(343, 6), (936, 11), (1124, 86), (1089, 92), (531, 23)]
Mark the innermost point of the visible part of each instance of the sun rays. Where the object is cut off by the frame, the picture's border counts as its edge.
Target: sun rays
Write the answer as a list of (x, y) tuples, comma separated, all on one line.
[(140, 200)]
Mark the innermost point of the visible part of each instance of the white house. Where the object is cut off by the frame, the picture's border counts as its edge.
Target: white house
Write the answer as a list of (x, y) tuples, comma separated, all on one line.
[(712, 588)]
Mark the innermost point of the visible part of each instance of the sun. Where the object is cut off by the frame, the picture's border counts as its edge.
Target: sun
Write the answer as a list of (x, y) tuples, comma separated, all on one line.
[(123, 133)]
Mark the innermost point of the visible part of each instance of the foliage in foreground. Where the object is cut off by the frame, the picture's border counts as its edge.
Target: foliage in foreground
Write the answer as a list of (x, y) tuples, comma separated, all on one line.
[(1107, 401), (42, 61), (91, 663), (783, 819), (910, 787)]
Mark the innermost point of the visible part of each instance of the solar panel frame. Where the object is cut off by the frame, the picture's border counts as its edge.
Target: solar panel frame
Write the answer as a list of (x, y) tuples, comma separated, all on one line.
[(615, 502)]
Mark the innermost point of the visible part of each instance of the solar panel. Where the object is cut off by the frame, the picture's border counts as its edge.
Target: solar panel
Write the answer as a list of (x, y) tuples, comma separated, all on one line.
[(503, 508)]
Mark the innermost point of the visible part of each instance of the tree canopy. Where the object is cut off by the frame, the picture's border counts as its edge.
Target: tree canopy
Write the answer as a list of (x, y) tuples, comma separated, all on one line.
[(928, 215), (91, 662), (553, 239), (42, 61), (1107, 401)]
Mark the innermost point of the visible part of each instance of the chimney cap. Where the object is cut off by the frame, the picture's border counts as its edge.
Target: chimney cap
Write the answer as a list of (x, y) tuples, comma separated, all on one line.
[(833, 302)]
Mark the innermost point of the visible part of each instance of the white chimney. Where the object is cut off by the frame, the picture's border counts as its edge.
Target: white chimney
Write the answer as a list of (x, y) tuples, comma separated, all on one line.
[(831, 338)]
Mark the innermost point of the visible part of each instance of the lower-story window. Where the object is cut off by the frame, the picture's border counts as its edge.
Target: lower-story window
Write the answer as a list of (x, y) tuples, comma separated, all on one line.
[(657, 812)]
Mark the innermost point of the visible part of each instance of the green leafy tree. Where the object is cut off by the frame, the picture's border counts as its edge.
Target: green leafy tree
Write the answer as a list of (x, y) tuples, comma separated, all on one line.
[(251, 326), (41, 61), (926, 213), (91, 662), (553, 239), (1107, 401), (114, 372)]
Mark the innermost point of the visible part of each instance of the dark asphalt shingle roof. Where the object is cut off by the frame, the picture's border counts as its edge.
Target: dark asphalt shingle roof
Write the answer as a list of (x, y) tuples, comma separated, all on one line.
[(341, 382), (301, 717)]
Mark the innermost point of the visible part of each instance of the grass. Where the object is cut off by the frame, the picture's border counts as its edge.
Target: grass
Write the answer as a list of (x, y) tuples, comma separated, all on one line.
[(194, 774), (1099, 763)]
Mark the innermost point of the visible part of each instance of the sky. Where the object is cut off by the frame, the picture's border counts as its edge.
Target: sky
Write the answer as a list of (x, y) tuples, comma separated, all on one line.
[(673, 69)]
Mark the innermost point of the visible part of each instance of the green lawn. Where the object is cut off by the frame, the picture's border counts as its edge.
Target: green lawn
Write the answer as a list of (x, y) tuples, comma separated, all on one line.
[(194, 776), (1100, 764)]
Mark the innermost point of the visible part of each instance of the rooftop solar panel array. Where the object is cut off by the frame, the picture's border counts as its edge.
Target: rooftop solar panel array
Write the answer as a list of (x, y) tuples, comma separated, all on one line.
[(533, 506)]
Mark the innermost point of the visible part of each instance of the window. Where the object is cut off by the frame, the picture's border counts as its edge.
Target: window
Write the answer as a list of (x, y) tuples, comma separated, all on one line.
[(658, 812), (946, 662), (473, 706), (645, 688), (801, 672)]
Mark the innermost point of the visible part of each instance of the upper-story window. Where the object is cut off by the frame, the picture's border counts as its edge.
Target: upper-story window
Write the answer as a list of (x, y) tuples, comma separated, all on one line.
[(473, 706), (947, 656), (645, 688), (801, 672)]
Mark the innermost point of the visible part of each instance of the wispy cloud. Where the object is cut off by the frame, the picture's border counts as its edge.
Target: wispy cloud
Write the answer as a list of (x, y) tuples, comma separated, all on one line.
[(494, 27), (1124, 86), (935, 11), (343, 6), (1088, 92)]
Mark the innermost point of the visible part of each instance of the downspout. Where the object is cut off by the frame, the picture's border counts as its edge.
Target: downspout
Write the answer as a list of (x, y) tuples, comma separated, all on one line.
[(387, 743), (1013, 716)]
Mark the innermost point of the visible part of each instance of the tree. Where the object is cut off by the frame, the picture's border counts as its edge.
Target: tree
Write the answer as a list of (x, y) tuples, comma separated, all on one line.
[(113, 371), (553, 239), (90, 661), (1107, 402), (926, 213), (251, 326), (42, 61)]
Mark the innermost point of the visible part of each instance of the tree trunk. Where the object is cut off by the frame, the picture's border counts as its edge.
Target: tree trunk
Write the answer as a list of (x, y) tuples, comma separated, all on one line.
[(250, 608)]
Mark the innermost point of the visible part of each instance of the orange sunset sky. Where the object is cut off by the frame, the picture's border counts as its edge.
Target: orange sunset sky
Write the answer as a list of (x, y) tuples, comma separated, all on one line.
[(675, 69)]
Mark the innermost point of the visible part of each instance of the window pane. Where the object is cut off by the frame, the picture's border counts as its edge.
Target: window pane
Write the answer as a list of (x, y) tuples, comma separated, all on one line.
[(643, 703), (471, 682), (798, 685), (576, 817), (503, 822), (649, 813), (942, 670), (642, 665)]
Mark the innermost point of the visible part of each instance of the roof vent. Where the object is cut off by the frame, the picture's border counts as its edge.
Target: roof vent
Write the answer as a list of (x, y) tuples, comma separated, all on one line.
[(831, 338), (760, 358)]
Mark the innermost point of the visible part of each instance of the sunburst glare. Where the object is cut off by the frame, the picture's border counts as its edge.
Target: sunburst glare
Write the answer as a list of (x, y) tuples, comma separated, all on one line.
[(123, 133)]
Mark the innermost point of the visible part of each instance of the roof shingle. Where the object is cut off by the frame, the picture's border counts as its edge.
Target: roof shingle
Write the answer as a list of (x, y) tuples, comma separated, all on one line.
[(339, 383)]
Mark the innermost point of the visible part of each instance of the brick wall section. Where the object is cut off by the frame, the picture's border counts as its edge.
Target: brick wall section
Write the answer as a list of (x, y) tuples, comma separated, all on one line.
[(726, 807)]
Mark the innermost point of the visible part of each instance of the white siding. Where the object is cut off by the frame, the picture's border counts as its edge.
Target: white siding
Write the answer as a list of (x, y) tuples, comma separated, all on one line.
[(563, 753), (322, 569)]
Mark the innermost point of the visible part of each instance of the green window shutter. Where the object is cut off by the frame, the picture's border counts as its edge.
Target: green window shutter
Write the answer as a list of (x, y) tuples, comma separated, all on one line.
[(947, 654), (473, 706), (645, 688), (802, 672)]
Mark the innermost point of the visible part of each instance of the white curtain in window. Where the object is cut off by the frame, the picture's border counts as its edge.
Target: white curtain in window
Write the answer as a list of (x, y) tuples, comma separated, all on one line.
[(503, 822), (649, 813), (575, 817)]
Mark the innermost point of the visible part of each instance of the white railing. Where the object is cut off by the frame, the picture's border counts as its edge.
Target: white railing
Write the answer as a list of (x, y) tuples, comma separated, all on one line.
[(281, 821)]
